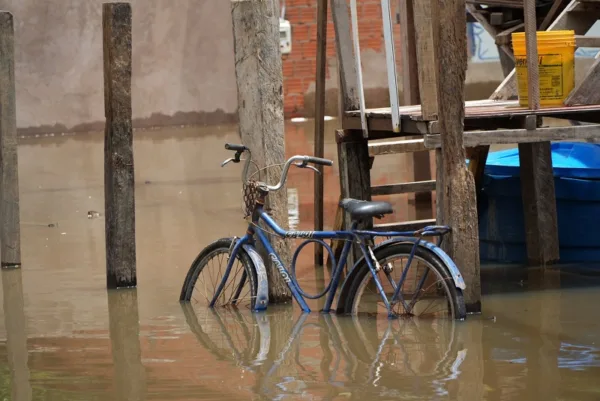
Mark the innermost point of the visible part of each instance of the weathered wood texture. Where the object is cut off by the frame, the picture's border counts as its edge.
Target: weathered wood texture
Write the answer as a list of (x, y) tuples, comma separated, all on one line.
[(15, 323), (403, 188), (424, 18), (399, 146), (320, 120), (10, 236), (533, 74), (539, 203), (410, 72), (587, 133), (119, 191), (259, 76), (355, 177), (458, 188), (124, 328), (340, 14), (588, 90)]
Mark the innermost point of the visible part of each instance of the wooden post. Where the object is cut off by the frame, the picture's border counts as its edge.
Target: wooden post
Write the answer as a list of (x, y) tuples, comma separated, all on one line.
[(9, 164), (458, 188), (320, 119), (410, 74), (130, 373), (537, 179), (259, 77), (424, 17), (15, 323), (355, 175), (118, 148)]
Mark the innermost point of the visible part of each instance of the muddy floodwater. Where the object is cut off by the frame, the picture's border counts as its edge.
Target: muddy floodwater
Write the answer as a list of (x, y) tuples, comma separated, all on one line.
[(64, 337)]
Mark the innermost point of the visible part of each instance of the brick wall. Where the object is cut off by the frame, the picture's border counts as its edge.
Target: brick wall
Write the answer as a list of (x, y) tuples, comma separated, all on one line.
[(299, 66)]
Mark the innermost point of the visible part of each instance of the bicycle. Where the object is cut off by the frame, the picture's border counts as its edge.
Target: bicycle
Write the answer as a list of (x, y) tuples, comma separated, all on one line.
[(249, 283)]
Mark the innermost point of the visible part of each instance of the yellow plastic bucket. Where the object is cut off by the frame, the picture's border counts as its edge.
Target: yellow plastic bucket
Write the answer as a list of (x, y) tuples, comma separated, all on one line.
[(556, 55)]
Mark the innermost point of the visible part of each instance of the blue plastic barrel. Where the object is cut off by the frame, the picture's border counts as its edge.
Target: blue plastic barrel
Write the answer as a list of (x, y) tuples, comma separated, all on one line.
[(576, 168)]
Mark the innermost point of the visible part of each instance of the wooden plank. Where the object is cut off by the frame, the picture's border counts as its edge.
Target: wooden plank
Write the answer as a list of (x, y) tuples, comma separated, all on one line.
[(533, 75), (390, 62), (589, 133), (587, 41), (358, 64), (259, 78), (394, 147), (119, 185), (588, 90), (343, 45), (320, 120), (539, 203), (404, 226), (410, 70), (550, 15), (424, 14), (459, 202), (10, 236), (403, 188)]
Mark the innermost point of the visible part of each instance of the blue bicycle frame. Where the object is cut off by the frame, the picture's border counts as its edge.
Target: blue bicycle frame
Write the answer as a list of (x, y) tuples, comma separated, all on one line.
[(248, 241)]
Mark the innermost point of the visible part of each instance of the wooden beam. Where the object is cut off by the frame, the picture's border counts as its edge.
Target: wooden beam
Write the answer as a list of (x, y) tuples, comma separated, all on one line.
[(403, 188), (424, 11), (550, 15), (343, 45), (588, 133), (394, 147), (539, 203), (457, 184), (10, 236), (358, 64), (320, 120), (259, 79), (587, 41), (587, 91), (390, 62), (119, 185)]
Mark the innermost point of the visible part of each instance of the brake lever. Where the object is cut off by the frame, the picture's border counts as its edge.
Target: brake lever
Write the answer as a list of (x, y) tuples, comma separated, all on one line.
[(304, 165), (231, 159)]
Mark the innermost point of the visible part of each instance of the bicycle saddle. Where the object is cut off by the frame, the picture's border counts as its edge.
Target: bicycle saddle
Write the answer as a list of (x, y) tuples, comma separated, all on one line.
[(360, 209)]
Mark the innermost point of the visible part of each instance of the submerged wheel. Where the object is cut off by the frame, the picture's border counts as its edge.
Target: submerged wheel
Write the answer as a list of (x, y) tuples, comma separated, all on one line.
[(207, 271), (428, 289)]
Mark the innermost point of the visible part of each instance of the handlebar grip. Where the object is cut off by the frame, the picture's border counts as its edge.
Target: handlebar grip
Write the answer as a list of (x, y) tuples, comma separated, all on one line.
[(318, 160), (237, 148)]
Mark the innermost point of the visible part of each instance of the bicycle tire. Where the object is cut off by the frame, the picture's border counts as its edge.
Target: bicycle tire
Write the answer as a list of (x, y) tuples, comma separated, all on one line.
[(350, 291), (220, 247)]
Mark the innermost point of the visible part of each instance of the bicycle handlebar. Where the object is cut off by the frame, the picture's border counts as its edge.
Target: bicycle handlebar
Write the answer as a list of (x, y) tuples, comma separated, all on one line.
[(302, 163)]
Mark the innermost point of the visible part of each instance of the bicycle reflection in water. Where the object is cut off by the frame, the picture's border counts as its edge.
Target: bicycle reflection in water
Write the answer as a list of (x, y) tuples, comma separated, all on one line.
[(332, 357)]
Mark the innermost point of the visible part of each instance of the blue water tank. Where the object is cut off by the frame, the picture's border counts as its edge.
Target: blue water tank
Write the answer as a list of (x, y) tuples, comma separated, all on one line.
[(576, 168)]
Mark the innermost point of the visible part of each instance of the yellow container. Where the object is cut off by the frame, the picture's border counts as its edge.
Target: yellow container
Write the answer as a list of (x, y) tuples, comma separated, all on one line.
[(556, 55)]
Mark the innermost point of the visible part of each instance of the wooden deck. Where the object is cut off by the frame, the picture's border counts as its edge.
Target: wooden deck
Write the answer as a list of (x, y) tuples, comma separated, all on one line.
[(479, 113)]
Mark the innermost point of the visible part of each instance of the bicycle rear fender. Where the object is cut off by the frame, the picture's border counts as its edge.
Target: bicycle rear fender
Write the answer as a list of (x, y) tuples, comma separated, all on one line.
[(443, 256), (262, 284)]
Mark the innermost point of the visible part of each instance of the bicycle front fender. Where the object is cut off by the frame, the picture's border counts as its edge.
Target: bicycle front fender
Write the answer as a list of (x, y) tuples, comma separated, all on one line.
[(262, 284)]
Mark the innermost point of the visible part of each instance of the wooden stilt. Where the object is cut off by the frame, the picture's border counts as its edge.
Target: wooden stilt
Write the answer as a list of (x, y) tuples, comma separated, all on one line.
[(10, 229), (259, 77), (458, 188), (119, 186)]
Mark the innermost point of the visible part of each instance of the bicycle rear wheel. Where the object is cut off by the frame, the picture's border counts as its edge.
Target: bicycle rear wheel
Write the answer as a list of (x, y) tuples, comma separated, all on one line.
[(428, 290), (207, 272)]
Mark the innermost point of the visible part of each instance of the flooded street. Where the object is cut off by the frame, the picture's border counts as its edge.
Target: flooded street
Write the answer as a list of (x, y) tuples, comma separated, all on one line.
[(63, 337)]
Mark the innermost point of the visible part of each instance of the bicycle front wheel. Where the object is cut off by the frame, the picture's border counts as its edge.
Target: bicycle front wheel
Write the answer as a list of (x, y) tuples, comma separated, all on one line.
[(427, 290), (207, 272)]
